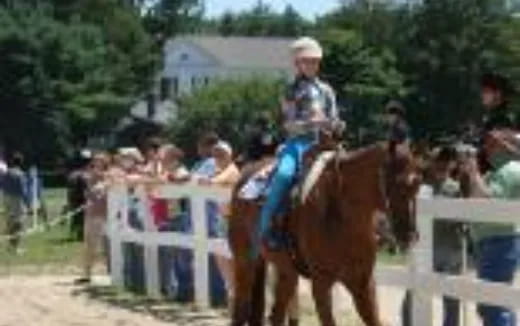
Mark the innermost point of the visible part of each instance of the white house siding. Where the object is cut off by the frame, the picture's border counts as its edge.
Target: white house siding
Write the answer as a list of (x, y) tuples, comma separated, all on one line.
[(189, 65)]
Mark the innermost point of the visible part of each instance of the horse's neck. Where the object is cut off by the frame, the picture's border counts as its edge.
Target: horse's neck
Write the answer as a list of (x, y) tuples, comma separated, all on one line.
[(362, 178)]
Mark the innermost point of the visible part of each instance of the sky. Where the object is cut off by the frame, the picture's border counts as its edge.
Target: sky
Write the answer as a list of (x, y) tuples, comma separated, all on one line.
[(307, 8)]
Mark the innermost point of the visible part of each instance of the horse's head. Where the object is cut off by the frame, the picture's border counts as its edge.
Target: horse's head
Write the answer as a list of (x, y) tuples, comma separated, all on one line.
[(401, 182)]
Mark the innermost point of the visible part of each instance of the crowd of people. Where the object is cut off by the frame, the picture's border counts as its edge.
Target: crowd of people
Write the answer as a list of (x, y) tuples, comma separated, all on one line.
[(156, 163)]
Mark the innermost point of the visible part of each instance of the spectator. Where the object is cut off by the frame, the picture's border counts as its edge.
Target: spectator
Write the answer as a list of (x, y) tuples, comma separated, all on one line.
[(95, 212), (495, 93), (498, 245), (129, 164), (15, 201), (399, 130), (175, 263), (173, 169), (448, 236), (227, 175), (152, 164), (206, 166), (76, 190)]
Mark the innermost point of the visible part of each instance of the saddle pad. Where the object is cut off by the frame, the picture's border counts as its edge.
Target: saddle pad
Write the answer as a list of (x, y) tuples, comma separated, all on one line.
[(314, 173), (256, 185)]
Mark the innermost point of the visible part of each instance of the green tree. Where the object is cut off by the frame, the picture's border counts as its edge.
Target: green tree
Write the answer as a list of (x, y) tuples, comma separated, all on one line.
[(166, 18), (449, 44), (261, 20), (362, 76), (226, 107), (67, 78)]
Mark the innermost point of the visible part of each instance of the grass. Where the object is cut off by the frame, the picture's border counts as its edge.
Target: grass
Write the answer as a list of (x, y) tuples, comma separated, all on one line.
[(48, 251)]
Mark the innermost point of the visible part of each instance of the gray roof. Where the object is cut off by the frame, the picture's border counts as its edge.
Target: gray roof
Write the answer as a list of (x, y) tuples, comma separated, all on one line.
[(245, 52)]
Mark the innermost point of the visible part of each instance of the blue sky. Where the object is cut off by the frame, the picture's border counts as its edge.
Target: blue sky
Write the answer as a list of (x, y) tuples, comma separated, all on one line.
[(307, 8)]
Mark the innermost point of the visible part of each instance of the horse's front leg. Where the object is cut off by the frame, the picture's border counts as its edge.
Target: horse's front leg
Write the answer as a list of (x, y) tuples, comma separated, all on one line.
[(321, 291), (364, 295), (285, 290), (244, 281)]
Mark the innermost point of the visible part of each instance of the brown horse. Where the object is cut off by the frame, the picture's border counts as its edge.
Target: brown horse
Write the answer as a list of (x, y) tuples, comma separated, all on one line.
[(333, 232)]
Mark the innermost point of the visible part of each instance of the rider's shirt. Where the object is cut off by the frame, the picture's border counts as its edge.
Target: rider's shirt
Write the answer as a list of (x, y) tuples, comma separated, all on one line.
[(308, 98)]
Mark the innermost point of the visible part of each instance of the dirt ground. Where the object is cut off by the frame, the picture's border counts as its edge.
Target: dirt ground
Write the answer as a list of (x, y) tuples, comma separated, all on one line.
[(56, 301)]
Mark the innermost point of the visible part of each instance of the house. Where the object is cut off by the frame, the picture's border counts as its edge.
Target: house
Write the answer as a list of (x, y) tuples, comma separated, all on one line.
[(192, 62)]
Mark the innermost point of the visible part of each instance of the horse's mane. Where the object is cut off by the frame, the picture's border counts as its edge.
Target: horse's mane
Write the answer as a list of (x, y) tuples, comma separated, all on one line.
[(362, 155)]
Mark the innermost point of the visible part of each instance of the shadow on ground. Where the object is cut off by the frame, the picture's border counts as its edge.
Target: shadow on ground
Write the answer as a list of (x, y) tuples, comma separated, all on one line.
[(163, 310)]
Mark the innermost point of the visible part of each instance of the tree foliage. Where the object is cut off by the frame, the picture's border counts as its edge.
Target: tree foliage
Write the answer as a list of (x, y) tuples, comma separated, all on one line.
[(67, 75), (227, 107), (261, 20)]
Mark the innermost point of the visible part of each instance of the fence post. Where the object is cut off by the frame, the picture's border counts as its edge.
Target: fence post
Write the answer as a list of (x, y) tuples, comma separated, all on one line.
[(201, 266), (117, 211), (422, 265), (151, 255), (34, 200)]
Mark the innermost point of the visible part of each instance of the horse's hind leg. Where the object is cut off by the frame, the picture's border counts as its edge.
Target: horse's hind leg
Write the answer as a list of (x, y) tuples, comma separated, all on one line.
[(323, 300), (365, 299)]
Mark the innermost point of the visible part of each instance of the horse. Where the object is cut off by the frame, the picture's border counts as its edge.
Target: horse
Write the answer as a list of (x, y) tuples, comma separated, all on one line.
[(333, 233)]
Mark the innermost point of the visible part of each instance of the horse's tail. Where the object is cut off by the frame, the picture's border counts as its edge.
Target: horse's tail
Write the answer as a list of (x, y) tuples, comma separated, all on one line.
[(257, 313)]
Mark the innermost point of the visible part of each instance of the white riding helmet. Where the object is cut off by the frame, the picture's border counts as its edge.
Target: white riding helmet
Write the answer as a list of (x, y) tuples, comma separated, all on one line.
[(307, 47)]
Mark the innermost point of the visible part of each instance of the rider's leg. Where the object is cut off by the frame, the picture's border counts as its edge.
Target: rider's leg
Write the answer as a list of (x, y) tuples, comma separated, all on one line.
[(281, 182)]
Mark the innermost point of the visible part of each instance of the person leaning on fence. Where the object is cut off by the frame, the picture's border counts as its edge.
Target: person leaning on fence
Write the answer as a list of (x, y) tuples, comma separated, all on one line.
[(76, 190), (226, 175), (15, 200), (498, 245), (448, 236), (205, 167), (495, 92), (95, 212)]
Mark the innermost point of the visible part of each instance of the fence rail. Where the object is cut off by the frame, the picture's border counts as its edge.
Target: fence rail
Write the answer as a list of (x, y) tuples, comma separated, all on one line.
[(418, 276)]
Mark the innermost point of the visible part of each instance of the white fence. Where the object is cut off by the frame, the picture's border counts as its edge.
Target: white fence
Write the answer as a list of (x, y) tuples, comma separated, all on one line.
[(119, 232), (418, 277)]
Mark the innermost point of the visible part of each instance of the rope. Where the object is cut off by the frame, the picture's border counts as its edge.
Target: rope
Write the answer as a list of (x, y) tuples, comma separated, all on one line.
[(42, 228)]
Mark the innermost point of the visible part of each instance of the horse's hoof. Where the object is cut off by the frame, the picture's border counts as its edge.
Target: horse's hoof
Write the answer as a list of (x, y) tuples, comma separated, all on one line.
[(294, 322)]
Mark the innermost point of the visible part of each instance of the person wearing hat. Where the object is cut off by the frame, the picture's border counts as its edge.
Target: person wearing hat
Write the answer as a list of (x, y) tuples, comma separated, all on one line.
[(495, 91), (498, 245), (309, 104), (227, 175), (399, 130)]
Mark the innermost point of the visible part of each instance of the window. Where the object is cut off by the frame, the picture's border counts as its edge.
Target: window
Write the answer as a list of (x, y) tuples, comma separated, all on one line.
[(185, 57), (175, 86), (193, 82), (165, 88), (150, 102)]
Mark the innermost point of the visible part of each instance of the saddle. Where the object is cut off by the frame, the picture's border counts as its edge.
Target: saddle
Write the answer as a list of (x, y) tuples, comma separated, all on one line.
[(258, 175)]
